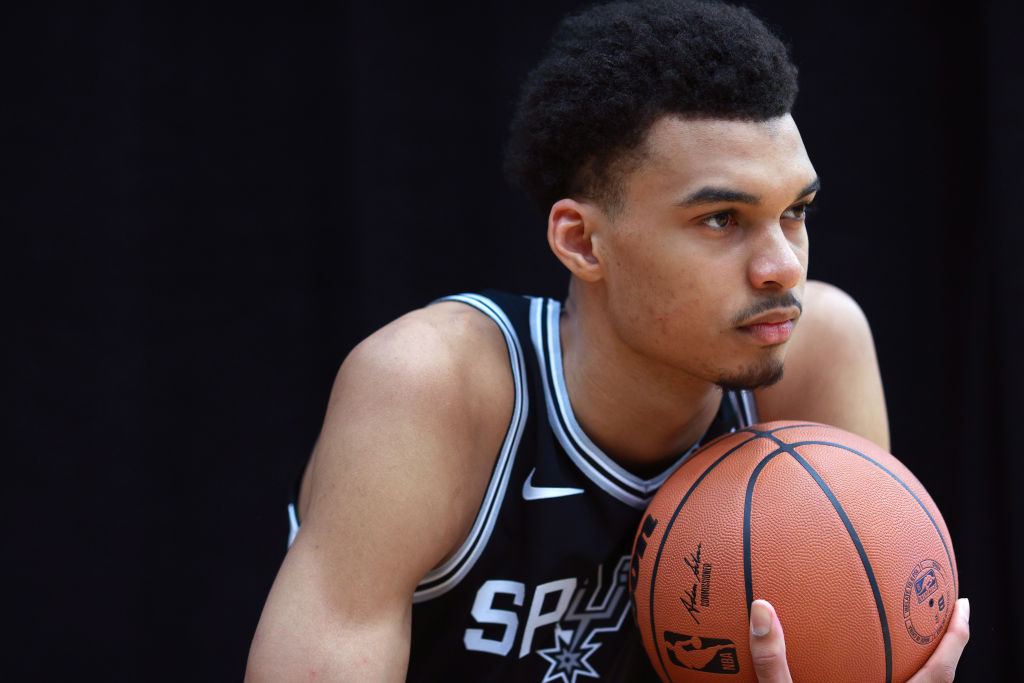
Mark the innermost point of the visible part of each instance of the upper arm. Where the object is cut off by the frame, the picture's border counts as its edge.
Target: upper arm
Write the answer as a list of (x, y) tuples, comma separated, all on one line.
[(392, 488), (831, 373)]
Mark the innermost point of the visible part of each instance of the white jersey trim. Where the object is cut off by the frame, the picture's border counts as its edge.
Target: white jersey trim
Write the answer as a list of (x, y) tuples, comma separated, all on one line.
[(445, 577), (293, 524), (621, 484)]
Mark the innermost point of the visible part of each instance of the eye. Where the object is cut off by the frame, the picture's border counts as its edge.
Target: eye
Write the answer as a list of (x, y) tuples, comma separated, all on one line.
[(719, 221), (798, 212)]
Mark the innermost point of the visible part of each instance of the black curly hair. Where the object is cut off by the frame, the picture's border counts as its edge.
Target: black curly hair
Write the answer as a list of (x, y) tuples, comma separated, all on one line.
[(613, 69)]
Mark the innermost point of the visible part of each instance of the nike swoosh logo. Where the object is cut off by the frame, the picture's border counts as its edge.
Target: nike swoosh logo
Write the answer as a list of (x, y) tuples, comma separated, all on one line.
[(531, 492)]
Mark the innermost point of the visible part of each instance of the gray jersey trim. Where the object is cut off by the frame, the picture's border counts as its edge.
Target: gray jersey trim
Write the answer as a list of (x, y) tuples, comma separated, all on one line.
[(445, 577), (591, 460), (745, 406)]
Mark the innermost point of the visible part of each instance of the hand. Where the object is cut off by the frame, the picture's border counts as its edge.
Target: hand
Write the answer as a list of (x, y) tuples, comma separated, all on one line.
[(941, 666), (768, 647)]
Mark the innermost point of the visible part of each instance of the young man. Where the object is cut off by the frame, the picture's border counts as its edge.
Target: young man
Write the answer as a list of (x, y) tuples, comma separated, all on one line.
[(469, 508)]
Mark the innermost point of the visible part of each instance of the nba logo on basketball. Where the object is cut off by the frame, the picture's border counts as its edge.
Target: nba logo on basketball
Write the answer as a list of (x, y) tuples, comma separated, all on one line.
[(925, 585), (712, 655), (925, 616)]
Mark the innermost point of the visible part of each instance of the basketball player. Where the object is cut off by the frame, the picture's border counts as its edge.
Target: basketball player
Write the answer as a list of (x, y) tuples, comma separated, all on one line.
[(469, 508)]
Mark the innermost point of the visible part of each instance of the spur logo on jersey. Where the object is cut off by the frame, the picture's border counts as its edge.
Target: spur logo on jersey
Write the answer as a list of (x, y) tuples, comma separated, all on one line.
[(571, 618)]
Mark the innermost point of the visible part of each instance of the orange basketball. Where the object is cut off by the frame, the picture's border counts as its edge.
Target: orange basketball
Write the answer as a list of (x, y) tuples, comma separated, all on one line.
[(836, 533)]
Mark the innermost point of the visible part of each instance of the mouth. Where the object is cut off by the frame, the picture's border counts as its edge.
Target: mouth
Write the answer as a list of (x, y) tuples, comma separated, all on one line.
[(771, 328)]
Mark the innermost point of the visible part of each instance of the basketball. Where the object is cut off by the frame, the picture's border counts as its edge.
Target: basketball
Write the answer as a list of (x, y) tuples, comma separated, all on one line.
[(834, 532)]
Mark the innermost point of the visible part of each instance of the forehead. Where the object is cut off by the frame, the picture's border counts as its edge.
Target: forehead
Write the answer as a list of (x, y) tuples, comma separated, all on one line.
[(760, 157)]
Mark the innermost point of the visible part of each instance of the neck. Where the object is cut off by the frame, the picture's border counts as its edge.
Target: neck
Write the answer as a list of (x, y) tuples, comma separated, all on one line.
[(641, 414)]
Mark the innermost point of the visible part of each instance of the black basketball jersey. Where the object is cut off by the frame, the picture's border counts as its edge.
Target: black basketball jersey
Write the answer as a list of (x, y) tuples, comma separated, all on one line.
[(539, 591)]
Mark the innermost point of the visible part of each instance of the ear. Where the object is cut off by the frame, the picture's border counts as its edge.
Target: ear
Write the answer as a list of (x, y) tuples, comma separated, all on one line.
[(571, 238)]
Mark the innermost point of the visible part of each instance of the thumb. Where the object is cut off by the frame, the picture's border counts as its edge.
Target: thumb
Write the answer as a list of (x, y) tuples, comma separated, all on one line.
[(767, 645)]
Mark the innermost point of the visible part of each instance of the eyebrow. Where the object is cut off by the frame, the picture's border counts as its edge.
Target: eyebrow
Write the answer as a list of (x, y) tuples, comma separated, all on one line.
[(716, 195)]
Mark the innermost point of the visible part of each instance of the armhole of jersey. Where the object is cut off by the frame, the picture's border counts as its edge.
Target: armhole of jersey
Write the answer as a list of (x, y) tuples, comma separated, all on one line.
[(745, 406), (445, 577), (293, 524)]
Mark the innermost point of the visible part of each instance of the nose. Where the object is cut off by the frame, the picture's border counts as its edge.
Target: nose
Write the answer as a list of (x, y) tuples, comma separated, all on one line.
[(779, 259)]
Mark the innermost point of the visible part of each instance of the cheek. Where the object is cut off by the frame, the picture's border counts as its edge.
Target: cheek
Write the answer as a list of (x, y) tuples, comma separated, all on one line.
[(664, 294), (652, 276), (668, 283)]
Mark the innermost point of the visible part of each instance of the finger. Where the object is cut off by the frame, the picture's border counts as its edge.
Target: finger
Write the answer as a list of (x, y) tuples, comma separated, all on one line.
[(767, 645), (941, 666)]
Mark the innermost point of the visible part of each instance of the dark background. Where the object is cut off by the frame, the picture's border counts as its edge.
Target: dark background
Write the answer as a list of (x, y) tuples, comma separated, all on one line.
[(209, 208)]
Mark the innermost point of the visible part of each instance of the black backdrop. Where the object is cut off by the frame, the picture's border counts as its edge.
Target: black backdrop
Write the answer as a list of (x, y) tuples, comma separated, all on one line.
[(209, 208)]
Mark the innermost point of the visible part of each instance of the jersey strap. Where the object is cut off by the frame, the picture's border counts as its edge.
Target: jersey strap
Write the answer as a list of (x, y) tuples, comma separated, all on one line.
[(445, 577), (615, 480)]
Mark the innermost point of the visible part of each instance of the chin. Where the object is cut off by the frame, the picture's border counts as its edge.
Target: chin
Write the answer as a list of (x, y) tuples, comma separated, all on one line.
[(753, 377)]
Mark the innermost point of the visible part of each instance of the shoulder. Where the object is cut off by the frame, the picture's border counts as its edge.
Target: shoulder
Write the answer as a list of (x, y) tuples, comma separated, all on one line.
[(833, 331), (435, 335), (444, 359), (421, 407), (829, 310), (415, 419), (831, 373)]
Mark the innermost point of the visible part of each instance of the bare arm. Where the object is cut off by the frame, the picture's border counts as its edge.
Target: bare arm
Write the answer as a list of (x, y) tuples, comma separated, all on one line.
[(415, 419), (831, 373)]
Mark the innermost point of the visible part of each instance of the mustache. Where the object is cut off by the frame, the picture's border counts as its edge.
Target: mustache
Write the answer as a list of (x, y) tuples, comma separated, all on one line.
[(787, 300)]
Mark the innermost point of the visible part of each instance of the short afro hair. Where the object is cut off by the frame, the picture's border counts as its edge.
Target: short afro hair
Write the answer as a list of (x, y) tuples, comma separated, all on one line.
[(613, 69)]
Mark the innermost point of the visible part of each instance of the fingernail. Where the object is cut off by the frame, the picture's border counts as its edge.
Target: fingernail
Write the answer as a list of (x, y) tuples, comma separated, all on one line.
[(760, 618), (965, 609)]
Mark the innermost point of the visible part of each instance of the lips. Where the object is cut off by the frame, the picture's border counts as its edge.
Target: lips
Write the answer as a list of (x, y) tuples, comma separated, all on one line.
[(769, 333), (773, 327)]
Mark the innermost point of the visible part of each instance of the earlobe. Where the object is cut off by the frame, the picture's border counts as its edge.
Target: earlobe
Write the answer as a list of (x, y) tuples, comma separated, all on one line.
[(570, 236)]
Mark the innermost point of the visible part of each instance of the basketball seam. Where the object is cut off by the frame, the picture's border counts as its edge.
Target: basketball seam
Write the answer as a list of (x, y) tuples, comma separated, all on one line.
[(748, 574), (668, 527), (945, 546), (865, 561)]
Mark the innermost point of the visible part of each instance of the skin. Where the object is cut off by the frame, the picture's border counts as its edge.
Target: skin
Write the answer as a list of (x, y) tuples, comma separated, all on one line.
[(709, 240), (660, 287)]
